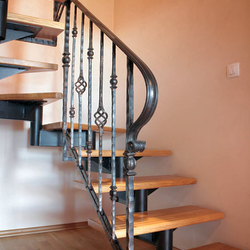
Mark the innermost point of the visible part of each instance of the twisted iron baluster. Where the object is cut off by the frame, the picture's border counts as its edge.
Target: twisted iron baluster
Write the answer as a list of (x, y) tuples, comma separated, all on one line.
[(66, 62), (100, 120), (113, 188), (90, 58), (129, 160), (72, 108), (80, 89)]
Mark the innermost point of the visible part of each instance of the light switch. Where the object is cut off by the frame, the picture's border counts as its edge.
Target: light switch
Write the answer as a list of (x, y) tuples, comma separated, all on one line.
[(233, 70)]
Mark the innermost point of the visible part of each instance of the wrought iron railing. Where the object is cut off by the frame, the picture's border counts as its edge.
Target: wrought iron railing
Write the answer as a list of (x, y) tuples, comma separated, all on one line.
[(80, 85)]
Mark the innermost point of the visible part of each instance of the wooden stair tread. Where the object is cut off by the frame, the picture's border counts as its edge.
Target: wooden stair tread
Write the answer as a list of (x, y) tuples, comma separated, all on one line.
[(50, 29), (165, 219), (141, 182), (119, 153), (215, 246), (40, 97), (59, 126), (32, 66)]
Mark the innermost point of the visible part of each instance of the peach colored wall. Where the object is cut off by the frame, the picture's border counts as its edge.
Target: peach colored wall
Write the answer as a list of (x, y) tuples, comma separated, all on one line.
[(202, 116), (36, 186)]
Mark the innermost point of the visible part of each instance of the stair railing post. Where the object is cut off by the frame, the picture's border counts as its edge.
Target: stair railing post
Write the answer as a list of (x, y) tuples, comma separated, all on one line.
[(3, 18), (80, 89), (101, 118), (72, 107), (129, 160), (90, 58), (113, 188), (66, 65)]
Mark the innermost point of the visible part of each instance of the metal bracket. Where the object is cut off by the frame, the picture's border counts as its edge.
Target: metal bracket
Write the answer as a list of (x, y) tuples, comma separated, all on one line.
[(53, 138), (16, 31), (6, 71), (24, 111), (26, 33), (39, 41)]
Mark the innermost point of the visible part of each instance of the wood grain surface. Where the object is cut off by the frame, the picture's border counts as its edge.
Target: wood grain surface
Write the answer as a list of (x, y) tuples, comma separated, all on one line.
[(140, 182), (59, 126), (165, 219), (42, 97), (50, 29), (215, 246), (85, 238), (32, 66)]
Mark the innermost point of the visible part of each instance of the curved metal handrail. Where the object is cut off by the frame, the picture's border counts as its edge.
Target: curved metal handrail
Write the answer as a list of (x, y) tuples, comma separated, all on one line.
[(150, 81)]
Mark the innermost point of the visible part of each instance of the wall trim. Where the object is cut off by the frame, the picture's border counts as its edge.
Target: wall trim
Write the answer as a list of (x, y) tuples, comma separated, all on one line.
[(42, 229)]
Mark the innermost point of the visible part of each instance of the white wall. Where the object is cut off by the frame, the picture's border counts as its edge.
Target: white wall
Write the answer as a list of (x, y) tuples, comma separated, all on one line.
[(36, 186), (202, 116)]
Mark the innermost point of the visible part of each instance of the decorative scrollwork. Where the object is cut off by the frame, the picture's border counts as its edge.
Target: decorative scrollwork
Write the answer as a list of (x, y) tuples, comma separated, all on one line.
[(72, 112), (66, 59), (129, 163), (90, 53), (81, 85), (101, 117), (136, 146), (74, 32), (113, 193), (113, 82)]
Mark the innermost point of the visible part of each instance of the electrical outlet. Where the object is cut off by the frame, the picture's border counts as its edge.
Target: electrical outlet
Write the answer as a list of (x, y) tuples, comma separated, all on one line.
[(233, 70)]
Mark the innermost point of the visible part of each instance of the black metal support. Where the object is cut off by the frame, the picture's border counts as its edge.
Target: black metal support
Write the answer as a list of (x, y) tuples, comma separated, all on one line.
[(3, 18), (119, 167), (15, 31), (55, 139), (141, 200), (165, 240), (36, 125), (52, 43), (26, 33), (23, 111)]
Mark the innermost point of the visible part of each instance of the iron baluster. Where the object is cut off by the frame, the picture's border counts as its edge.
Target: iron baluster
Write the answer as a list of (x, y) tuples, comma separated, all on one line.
[(72, 108), (113, 188), (90, 58), (129, 160), (101, 117), (80, 89), (66, 62)]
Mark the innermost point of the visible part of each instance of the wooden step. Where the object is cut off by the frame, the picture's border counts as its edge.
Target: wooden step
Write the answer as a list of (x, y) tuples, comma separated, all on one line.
[(49, 29), (141, 182), (59, 126), (32, 97), (119, 153), (165, 219), (32, 66), (215, 246)]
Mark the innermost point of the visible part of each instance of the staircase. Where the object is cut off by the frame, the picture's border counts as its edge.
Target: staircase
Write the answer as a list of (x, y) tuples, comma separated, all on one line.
[(80, 145)]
